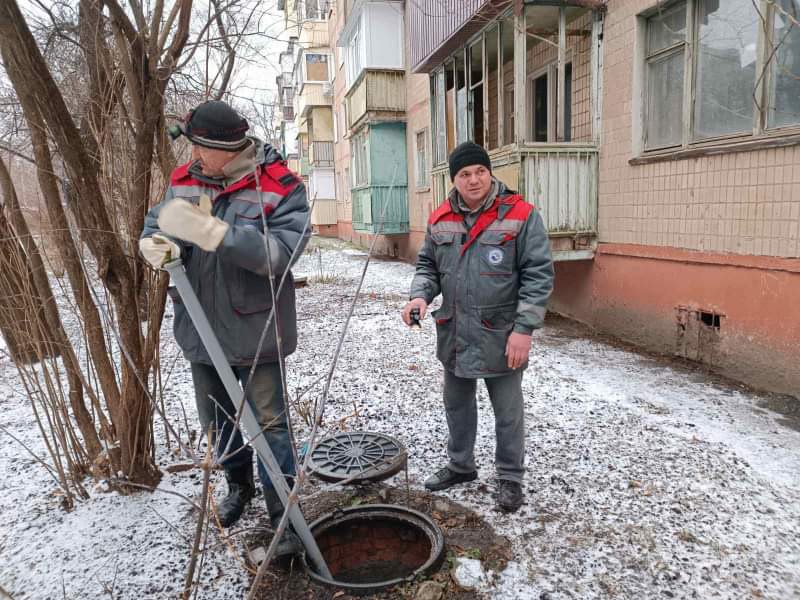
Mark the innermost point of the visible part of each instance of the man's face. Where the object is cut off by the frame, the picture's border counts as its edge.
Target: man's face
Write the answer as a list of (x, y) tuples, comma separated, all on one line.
[(211, 160), (473, 183)]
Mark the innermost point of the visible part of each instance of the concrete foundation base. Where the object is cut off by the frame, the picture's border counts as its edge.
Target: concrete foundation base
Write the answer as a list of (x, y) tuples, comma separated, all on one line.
[(737, 314)]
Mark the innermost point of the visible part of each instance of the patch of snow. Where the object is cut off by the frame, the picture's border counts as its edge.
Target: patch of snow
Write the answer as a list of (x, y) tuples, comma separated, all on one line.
[(644, 480), (468, 573)]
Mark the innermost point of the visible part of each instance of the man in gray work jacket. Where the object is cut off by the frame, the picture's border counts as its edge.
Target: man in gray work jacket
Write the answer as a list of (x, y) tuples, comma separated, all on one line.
[(211, 217), (487, 252)]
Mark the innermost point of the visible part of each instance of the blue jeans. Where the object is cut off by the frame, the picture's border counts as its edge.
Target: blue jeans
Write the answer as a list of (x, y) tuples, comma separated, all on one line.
[(217, 411)]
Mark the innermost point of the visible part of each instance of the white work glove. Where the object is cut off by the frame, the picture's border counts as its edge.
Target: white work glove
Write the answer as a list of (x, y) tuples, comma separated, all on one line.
[(193, 224), (158, 250)]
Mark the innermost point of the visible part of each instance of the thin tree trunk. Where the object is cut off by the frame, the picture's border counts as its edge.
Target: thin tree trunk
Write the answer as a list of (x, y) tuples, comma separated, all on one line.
[(14, 311), (73, 266), (52, 333)]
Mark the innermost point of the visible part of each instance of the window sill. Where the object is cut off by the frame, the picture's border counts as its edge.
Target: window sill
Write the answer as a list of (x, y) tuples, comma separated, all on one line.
[(422, 190), (729, 147)]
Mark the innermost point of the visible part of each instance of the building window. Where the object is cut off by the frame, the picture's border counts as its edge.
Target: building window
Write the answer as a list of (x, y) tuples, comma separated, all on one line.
[(316, 67), (543, 94), (353, 62), (743, 71), (316, 10), (360, 159), (422, 160), (783, 91), (472, 94)]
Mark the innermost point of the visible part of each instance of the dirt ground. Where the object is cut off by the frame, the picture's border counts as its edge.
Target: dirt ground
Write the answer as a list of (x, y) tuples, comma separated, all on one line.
[(466, 534)]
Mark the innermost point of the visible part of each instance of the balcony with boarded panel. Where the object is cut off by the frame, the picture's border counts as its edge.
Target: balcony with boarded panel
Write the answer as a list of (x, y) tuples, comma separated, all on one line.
[(376, 94)]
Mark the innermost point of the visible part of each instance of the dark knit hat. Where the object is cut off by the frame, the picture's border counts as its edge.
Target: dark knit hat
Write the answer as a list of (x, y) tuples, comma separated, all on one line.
[(216, 125), (467, 154)]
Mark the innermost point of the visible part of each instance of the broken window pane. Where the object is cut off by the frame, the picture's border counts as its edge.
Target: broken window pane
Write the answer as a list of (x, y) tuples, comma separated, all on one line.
[(726, 67), (664, 125), (440, 118), (666, 28), (493, 81), (461, 98), (475, 108), (507, 78), (784, 93)]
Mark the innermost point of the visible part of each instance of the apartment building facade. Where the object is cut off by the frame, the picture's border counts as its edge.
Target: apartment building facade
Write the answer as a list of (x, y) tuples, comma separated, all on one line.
[(660, 140), (311, 75)]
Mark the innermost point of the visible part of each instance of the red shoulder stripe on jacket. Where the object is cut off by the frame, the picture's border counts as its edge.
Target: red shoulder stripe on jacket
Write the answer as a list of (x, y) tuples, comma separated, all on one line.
[(181, 173), (444, 213), (519, 211)]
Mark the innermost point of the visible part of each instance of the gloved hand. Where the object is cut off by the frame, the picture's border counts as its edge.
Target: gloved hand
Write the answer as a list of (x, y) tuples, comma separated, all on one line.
[(158, 250), (193, 224)]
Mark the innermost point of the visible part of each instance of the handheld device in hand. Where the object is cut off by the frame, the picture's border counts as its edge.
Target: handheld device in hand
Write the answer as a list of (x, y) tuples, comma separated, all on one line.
[(415, 322)]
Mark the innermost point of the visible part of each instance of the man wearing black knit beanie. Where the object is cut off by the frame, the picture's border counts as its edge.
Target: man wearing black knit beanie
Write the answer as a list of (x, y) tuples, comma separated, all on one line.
[(487, 252), (212, 218)]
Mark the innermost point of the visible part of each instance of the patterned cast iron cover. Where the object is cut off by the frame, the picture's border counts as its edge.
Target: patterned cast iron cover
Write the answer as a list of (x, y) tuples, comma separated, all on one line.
[(357, 456)]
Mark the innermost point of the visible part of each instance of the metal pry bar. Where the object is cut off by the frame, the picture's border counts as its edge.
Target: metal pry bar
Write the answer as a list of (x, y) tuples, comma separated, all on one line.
[(249, 422)]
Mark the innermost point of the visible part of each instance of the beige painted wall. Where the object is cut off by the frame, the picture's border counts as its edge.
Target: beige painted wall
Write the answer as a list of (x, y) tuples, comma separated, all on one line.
[(341, 147), (743, 203), (322, 124)]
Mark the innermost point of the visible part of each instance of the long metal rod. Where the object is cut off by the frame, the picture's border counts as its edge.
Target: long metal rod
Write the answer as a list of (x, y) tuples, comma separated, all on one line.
[(249, 422)]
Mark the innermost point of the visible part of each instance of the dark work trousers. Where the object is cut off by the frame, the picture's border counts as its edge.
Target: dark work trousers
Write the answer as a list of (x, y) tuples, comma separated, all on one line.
[(505, 392), (265, 395)]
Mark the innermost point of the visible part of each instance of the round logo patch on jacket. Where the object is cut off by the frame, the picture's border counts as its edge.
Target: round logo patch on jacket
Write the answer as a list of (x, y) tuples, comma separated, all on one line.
[(494, 256)]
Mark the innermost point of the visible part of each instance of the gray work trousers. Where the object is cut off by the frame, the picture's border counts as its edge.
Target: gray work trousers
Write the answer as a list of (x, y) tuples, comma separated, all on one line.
[(505, 393)]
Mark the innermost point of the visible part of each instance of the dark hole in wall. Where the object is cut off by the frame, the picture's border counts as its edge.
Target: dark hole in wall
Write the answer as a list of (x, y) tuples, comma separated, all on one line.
[(709, 319)]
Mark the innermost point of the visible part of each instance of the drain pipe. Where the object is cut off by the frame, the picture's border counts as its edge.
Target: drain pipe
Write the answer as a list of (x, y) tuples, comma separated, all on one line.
[(249, 421)]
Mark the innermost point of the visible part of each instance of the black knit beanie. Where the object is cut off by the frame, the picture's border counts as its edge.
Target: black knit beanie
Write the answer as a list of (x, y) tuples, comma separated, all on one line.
[(216, 125), (467, 154)]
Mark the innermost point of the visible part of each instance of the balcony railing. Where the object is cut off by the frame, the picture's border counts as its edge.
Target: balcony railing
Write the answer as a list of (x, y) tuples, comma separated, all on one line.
[(560, 179), (562, 182), (321, 154)]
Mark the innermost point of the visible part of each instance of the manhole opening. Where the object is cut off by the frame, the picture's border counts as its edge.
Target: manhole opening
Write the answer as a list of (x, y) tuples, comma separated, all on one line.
[(372, 550), (373, 547)]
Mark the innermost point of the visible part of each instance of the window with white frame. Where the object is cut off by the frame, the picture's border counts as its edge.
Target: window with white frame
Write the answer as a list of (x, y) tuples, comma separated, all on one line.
[(421, 154), (353, 61), (359, 159), (717, 69)]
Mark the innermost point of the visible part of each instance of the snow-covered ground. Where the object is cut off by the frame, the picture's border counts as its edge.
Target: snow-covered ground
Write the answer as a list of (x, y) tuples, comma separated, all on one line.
[(645, 480)]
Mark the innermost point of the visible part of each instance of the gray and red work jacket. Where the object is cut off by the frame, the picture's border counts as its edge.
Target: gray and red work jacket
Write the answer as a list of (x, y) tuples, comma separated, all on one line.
[(232, 283), (494, 277)]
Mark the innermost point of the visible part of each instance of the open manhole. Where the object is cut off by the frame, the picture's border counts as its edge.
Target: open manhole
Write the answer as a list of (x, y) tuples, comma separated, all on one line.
[(374, 547), (357, 457)]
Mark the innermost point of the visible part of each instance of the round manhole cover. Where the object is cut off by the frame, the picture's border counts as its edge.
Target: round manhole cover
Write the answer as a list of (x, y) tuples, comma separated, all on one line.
[(357, 456)]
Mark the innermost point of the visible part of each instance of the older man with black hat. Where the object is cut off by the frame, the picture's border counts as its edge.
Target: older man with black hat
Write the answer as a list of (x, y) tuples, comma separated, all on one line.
[(487, 252), (213, 218)]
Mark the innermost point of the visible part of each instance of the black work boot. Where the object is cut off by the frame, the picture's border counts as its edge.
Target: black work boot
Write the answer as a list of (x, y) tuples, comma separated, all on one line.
[(240, 490), (509, 495), (289, 544), (445, 478)]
